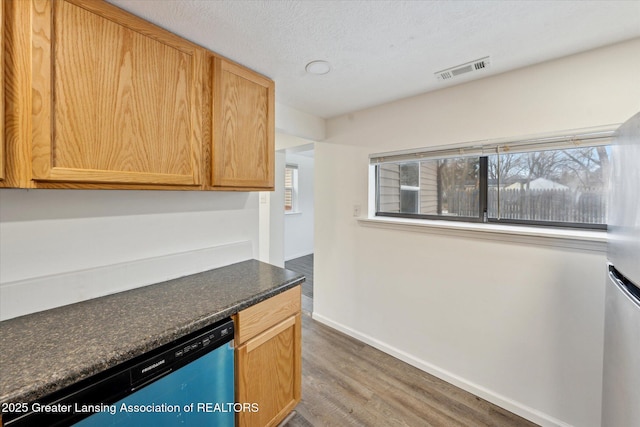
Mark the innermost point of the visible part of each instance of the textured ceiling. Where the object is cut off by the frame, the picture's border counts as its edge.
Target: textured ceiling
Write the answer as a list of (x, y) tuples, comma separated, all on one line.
[(386, 50)]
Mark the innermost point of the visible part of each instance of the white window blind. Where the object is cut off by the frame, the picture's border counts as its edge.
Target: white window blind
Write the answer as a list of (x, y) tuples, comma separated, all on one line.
[(556, 179), (290, 188), (590, 137)]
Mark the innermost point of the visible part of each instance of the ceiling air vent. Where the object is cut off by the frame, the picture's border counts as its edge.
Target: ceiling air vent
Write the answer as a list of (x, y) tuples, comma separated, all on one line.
[(477, 65)]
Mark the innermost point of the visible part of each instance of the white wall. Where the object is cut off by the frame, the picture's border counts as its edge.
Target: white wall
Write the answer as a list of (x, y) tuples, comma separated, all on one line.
[(64, 246), (299, 124), (272, 217), (298, 226), (518, 322)]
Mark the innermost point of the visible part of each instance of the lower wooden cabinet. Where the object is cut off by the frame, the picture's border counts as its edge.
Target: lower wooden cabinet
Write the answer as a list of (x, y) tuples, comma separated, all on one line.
[(268, 364)]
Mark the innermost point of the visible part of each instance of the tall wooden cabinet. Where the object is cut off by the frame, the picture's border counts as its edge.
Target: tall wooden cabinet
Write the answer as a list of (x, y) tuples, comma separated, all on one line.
[(268, 359), (243, 127)]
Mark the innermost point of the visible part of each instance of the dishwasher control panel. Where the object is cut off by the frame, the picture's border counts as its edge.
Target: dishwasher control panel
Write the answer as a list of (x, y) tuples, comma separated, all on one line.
[(181, 354)]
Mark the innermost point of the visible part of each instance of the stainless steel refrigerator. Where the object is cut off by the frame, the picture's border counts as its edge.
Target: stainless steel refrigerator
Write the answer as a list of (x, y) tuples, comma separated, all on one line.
[(621, 381)]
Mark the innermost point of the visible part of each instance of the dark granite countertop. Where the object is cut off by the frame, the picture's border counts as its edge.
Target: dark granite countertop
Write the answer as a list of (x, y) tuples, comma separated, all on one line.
[(46, 351)]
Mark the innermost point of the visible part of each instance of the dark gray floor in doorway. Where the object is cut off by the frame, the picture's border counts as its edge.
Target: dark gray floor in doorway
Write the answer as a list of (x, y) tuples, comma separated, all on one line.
[(304, 265)]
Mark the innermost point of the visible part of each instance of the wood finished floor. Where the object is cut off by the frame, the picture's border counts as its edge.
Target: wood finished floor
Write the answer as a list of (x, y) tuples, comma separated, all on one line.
[(348, 383)]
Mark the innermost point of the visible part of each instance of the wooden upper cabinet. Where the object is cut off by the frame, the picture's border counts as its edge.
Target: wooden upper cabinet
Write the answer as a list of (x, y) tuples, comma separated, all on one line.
[(114, 98), (242, 151), (95, 97), (2, 83)]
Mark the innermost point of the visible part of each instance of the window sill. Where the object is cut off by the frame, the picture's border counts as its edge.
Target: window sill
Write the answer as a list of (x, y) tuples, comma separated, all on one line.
[(588, 240), (293, 213)]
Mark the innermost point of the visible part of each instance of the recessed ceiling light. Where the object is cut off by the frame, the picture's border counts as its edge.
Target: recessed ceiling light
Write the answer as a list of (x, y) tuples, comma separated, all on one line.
[(318, 67)]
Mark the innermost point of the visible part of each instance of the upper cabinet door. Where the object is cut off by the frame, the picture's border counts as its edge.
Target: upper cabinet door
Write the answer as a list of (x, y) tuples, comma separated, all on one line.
[(2, 83), (243, 128), (114, 98)]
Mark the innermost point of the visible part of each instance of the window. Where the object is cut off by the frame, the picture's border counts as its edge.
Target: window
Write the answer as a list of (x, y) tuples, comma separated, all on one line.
[(291, 188), (444, 187), (559, 181), (553, 186)]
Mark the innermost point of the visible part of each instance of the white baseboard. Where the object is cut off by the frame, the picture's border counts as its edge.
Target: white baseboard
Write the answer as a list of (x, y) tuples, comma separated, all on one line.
[(22, 297), (517, 408)]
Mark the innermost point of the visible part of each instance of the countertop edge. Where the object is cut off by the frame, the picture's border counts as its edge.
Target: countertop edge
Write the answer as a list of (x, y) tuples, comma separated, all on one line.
[(36, 390)]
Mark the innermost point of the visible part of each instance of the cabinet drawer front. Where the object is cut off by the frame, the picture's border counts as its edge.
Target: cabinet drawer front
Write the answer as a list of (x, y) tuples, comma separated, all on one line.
[(264, 315), (116, 99), (269, 374)]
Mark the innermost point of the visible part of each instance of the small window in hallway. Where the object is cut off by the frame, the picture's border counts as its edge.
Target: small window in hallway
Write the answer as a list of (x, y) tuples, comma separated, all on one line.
[(291, 188)]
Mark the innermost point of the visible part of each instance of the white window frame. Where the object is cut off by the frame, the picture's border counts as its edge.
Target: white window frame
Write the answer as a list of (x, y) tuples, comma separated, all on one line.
[(294, 188), (586, 137)]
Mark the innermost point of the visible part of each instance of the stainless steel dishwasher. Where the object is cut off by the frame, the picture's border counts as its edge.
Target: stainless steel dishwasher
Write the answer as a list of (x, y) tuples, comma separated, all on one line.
[(187, 382)]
